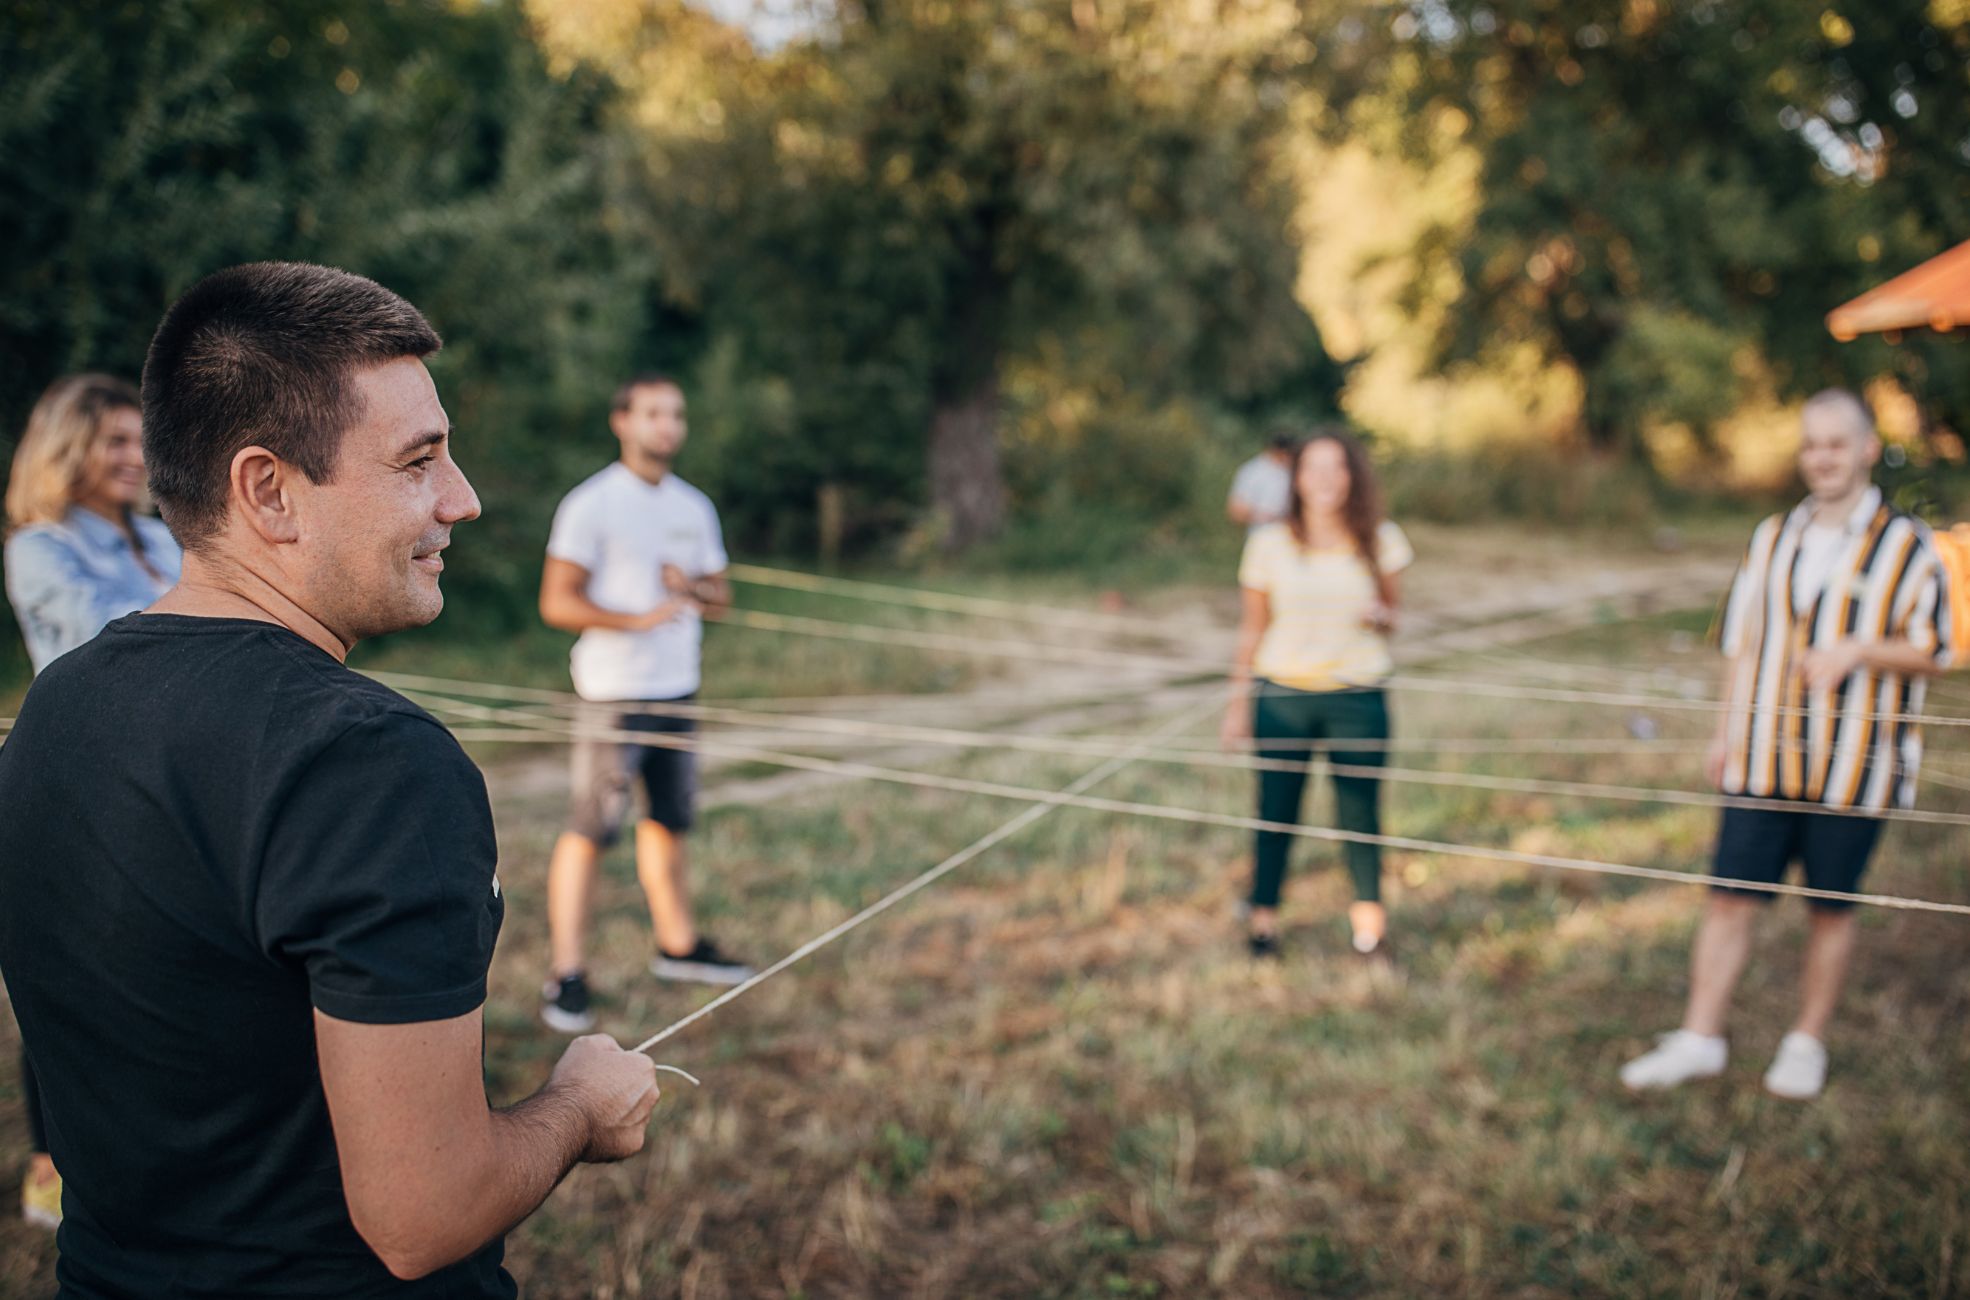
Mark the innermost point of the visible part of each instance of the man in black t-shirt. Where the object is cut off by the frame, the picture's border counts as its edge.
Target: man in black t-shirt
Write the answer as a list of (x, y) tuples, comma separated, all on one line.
[(248, 897)]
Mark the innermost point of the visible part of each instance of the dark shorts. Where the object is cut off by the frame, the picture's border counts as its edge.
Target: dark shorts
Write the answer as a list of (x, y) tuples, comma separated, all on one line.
[(604, 770), (1758, 844)]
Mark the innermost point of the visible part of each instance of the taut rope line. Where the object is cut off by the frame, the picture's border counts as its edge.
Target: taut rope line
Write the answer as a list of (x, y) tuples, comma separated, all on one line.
[(878, 635), (1076, 745), (1075, 799), (1004, 831)]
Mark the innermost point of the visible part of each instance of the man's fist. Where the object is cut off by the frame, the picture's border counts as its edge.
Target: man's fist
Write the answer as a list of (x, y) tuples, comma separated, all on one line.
[(615, 1090)]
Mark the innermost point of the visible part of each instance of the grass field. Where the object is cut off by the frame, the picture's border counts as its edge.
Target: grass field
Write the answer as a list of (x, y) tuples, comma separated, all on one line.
[(1056, 1074)]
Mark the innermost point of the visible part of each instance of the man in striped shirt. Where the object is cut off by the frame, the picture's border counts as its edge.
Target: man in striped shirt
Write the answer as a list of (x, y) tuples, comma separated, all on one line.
[(1837, 618)]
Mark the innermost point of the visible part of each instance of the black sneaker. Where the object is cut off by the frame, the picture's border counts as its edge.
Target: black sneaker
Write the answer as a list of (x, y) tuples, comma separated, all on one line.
[(704, 964), (564, 1004), (1264, 946)]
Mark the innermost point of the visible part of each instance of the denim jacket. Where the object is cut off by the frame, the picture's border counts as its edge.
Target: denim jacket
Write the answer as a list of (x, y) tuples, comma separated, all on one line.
[(67, 579)]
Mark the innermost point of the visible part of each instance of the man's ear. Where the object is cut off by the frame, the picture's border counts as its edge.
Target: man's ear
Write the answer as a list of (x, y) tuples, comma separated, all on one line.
[(258, 485)]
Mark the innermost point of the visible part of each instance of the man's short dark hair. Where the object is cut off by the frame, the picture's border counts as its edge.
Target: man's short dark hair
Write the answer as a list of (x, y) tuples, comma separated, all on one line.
[(1283, 439), (626, 394), (262, 355)]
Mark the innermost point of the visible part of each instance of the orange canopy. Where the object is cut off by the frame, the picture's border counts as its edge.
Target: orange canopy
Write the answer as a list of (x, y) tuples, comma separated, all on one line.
[(1936, 294)]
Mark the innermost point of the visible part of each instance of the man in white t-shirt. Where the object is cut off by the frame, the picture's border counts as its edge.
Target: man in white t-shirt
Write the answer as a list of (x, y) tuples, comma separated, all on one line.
[(1263, 486), (634, 560)]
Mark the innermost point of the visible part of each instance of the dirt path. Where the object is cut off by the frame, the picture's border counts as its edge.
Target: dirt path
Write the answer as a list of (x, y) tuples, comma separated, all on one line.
[(1478, 590)]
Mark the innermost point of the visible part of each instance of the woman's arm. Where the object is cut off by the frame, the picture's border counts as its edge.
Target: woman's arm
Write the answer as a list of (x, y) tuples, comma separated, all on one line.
[(1382, 618), (56, 599), (1255, 616)]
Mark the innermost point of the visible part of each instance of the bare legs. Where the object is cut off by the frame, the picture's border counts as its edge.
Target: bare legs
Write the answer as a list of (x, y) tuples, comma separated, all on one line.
[(570, 898), (1829, 951), (1370, 920), (1723, 944), (660, 861)]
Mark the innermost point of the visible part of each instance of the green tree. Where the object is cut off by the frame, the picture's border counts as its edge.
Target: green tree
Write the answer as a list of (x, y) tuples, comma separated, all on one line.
[(1667, 188), (421, 143), (885, 219)]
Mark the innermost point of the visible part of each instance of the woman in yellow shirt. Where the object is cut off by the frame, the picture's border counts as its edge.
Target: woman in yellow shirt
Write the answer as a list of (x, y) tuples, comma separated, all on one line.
[(1320, 593)]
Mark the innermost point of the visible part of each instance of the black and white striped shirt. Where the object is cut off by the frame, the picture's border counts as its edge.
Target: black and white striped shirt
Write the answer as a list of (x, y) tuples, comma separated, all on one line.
[(1850, 746)]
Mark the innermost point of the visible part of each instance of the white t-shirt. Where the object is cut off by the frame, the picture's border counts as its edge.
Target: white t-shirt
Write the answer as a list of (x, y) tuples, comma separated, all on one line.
[(1264, 487), (623, 530), (1819, 546), (1319, 600)]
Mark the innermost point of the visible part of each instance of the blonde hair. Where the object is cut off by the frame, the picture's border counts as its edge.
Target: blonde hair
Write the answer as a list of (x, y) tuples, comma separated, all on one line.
[(63, 426)]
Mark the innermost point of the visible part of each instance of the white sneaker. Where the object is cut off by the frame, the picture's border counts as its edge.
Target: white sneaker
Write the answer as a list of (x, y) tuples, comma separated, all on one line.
[(1678, 1057), (1799, 1070)]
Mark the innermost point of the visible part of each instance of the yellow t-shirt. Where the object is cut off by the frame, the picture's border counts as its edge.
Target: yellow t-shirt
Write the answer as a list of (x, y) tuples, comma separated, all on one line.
[(1320, 599)]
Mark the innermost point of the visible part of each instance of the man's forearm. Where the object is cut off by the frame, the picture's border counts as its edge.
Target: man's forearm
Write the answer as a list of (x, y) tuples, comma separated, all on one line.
[(536, 1142), (579, 614), (526, 1151), (1901, 657), (713, 594)]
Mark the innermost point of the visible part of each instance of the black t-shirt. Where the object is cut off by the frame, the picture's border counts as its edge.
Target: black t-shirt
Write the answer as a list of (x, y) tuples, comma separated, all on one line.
[(209, 827)]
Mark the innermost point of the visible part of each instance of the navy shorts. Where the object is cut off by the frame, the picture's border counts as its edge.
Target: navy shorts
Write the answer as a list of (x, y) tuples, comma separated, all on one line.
[(1758, 844), (605, 769)]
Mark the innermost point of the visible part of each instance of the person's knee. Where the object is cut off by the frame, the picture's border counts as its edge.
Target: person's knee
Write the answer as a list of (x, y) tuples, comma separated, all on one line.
[(1733, 911), (672, 826), (594, 827), (1831, 920)]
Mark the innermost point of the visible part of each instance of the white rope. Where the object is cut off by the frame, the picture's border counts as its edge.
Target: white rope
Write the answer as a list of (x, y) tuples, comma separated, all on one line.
[(973, 698), (1081, 746), (1166, 663), (1004, 831), (1027, 611), (994, 789), (1210, 753), (946, 602), (574, 705), (959, 643), (1052, 615), (1555, 746), (1951, 781), (1661, 679)]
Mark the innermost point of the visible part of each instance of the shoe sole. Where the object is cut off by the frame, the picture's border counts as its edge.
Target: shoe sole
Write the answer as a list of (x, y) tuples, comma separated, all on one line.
[(692, 972), (1793, 1096), (566, 1022)]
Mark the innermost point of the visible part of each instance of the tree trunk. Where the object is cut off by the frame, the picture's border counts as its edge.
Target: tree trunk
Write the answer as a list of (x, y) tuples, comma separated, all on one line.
[(967, 488)]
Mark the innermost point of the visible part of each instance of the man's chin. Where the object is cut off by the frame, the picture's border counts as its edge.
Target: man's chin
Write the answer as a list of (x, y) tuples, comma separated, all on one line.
[(421, 609)]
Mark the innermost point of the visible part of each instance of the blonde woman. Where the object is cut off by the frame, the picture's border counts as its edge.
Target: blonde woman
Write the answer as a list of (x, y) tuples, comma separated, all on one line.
[(1319, 592), (78, 554)]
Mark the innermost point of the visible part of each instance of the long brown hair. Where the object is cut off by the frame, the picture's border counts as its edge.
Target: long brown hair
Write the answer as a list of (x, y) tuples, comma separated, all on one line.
[(1361, 512)]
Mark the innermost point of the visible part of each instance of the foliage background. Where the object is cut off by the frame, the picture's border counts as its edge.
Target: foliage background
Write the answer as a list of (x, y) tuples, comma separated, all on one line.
[(1025, 276)]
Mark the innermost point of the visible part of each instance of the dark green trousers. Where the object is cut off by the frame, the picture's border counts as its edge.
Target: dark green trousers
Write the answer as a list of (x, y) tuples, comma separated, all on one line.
[(1280, 713)]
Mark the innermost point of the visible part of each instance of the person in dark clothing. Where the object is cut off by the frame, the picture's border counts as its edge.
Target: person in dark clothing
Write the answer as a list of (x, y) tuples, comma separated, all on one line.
[(80, 551), (248, 897)]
